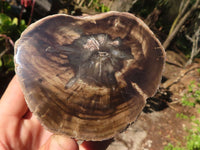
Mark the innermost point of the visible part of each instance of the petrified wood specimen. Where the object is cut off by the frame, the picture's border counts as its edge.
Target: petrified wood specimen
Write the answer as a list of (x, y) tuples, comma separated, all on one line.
[(88, 77)]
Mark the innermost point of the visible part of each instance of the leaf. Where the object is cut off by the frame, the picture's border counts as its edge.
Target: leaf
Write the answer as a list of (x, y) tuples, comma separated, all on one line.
[(23, 22), (15, 21), (1, 63), (8, 62), (4, 19)]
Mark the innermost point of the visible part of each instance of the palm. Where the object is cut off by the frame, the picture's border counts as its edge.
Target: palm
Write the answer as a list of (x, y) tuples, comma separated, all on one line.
[(32, 128), (18, 127), (22, 133)]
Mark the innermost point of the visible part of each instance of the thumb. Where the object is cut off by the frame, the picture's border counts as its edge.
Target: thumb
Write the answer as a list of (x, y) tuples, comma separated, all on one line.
[(60, 142)]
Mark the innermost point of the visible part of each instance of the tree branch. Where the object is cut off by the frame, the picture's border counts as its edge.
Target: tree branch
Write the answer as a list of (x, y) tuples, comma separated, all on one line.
[(195, 47), (178, 26), (189, 38), (182, 10), (7, 39)]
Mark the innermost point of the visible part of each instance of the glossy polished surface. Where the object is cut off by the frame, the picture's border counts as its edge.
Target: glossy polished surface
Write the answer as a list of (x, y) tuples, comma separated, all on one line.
[(88, 77)]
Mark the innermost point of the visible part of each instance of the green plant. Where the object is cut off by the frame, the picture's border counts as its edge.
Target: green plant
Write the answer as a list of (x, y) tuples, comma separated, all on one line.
[(7, 62), (5, 7), (171, 147), (186, 102), (182, 116), (101, 8), (10, 26), (198, 70), (191, 99), (10, 30), (98, 6), (193, 96), (193, 139)]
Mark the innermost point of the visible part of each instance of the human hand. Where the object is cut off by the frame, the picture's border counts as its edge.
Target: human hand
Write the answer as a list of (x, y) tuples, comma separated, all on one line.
[(20, 130)]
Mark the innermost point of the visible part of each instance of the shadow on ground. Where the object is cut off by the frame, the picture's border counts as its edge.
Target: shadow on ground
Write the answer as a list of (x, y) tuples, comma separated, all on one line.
[(159, 102)]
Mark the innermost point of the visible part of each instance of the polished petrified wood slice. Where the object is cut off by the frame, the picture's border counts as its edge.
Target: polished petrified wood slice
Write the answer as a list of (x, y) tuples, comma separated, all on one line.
[(88, 77)]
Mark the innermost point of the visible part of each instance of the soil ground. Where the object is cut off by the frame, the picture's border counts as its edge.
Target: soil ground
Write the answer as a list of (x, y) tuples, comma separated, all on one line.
[(158, 124)]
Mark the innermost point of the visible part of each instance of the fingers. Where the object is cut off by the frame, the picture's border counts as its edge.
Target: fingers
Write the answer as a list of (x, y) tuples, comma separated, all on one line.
[(59, 142), (12, 102)]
